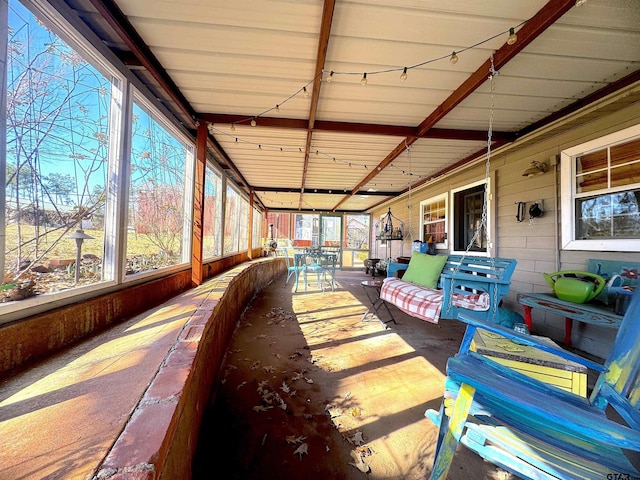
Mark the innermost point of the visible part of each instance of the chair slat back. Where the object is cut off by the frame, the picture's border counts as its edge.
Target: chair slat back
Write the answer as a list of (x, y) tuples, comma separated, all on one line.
[(623, 362)]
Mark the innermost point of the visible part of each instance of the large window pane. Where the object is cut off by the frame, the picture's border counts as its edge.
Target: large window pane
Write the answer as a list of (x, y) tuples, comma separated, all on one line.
[(212, 225), (57, 122), (609, 216), (157, 190), (231, 221)]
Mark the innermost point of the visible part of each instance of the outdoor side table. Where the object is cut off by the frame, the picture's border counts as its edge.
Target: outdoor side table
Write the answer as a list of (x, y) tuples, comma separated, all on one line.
[(372, 289)]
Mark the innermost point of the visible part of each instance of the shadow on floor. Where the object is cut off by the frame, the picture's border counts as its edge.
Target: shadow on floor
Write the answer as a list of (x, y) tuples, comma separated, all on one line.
[(308, 390)]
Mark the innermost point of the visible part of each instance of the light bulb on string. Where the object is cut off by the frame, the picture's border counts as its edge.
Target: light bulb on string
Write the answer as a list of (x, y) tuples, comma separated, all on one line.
[(277, 108), (403, 75), (305, 92), (454, 58), (233, 127), (330, 77), (513, 38), (363, 80), (253, 122)]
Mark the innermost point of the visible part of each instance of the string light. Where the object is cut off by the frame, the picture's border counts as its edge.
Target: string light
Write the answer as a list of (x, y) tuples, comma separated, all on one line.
[(253, 122), (300, 150), (454, 58), (233, 127), (513, 38), (363, 81), (306, 92), (330, 77), (277, 108), (403, 75)]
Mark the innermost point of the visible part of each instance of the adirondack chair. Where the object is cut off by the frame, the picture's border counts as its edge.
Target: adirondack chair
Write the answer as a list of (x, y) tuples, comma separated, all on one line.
[(535, 430)]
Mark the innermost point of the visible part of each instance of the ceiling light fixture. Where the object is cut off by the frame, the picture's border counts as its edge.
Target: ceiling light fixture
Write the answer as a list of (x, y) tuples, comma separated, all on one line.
[(513, 38), (363, 80), (454, 58), (536, 168), (403, 75)]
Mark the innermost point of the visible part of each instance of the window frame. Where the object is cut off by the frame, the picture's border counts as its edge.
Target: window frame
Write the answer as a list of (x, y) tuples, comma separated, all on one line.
[(568, 194), (430, 201), (67, 31), (136, 96), (490, 229)]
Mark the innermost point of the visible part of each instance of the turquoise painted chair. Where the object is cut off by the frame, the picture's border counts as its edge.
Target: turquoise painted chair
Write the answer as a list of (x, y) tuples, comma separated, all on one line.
[(294, 266), (535, 430)]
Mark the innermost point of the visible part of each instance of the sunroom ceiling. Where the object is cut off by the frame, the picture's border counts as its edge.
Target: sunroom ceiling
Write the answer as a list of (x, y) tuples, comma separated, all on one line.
[(348, 146)]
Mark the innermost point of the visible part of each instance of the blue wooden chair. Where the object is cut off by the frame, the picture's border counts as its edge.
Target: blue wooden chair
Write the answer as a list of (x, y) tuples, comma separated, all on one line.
[(535, 430)]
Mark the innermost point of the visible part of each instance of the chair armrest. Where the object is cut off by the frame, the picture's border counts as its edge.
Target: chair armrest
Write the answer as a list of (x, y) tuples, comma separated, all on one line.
[(475, 322)]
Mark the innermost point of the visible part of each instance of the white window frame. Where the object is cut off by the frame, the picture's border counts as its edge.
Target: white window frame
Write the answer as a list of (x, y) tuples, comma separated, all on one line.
[(187, 222), (568, 194), (69, 34), (443, 196), (489, 227)]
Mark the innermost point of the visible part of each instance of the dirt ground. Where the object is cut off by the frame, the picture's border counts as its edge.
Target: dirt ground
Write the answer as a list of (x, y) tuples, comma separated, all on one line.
[(310, 391)]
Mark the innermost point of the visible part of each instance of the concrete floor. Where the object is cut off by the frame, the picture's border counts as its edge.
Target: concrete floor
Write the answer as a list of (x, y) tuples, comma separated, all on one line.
[(309, 391)]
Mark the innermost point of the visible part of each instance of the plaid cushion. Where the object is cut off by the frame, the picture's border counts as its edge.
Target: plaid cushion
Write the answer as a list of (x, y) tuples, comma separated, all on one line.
[(425, 303)]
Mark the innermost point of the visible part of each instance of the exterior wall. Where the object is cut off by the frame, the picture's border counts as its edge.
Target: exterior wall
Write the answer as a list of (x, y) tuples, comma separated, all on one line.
[(535, 245)]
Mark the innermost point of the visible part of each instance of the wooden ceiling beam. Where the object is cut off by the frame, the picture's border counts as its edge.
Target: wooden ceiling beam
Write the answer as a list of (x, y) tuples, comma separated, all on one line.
[(321, 56), (120, 24), (223, 120), (543, 19)]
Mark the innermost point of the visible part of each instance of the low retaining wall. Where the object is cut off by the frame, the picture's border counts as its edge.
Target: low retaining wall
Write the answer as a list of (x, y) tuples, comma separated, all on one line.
[(160, 438)]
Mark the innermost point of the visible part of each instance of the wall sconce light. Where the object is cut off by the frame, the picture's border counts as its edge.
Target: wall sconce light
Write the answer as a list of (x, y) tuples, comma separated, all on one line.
[(536, 168)]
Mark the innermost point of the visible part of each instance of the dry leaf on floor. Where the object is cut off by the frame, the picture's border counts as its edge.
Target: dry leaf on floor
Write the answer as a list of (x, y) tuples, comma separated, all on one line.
[(255, 365), (359, 463), (357, 439), (308, 380), (241, 385), (355, 412), (285, 388), (302, 450), (268, 369), (293, 440), (260, 408)]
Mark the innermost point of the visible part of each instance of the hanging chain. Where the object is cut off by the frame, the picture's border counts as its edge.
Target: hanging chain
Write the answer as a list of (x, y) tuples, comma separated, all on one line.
[(409, 204), (483, 220)]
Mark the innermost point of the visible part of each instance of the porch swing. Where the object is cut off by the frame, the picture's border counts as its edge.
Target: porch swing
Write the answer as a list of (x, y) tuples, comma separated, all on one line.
[(442, 286)]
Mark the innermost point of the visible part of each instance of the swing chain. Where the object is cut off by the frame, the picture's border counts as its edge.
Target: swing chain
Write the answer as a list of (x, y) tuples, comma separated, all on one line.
[(483, 220)]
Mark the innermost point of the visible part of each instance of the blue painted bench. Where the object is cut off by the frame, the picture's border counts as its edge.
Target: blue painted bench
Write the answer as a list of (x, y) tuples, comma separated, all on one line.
[(463, 275), (535, 430)]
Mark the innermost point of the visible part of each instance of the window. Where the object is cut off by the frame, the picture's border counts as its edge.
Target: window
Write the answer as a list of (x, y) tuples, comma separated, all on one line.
[(281, 226), (433, 213), (236, 222), (212, 224), (256, 241), (467, 211), (60, 117), (601, 206), (159, 201)]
